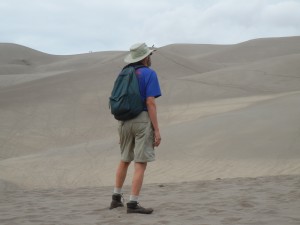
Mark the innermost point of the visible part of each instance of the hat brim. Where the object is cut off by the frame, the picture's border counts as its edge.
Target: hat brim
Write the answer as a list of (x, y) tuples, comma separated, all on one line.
[(129, 59)]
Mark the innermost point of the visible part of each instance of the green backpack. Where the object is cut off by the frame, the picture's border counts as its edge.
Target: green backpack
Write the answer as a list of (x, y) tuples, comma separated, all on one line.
[(125, 101)]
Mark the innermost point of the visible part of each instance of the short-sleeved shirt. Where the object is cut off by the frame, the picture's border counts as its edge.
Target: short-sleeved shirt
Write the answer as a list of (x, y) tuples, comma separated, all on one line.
[(148, 83)]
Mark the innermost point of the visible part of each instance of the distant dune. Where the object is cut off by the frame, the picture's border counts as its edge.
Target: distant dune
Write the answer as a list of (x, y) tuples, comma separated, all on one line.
[(226, 111)]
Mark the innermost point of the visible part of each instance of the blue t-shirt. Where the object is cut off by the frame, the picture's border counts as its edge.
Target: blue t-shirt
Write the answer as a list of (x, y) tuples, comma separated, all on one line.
[(148, 82)]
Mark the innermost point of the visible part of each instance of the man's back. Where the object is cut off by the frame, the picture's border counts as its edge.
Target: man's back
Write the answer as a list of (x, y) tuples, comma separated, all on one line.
[(148, 83)]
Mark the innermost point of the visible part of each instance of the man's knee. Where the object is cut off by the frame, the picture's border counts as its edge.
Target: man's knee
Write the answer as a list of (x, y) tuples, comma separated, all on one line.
[(124, 164), (140, 165)]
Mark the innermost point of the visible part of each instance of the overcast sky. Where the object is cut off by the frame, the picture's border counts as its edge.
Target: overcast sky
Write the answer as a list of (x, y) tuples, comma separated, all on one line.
[(80, 26)]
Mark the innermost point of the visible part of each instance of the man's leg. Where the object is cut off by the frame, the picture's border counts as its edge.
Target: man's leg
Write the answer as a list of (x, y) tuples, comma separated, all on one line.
[(121, 174), (120, 178), (137, 182)]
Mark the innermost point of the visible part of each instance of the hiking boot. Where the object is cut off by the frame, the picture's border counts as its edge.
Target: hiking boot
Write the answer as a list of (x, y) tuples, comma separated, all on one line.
[(116, 201), (134, 207)]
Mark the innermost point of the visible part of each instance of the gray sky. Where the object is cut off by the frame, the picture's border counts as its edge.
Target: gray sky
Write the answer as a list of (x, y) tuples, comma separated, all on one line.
[(80, 26)]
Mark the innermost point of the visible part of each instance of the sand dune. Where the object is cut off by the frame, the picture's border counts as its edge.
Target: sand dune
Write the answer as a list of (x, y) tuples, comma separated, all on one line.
[(222, 106), (227, 111), (255, 50)]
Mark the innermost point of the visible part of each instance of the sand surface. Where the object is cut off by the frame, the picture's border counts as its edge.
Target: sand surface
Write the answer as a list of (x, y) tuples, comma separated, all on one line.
[(227, 111), (260, 201)]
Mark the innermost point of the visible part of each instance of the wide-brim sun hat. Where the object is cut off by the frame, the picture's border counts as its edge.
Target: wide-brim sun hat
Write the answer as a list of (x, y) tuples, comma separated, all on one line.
[(138, 52)]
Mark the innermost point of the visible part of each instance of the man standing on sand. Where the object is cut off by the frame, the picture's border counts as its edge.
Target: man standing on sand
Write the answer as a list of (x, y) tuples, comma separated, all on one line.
[(140, 135)]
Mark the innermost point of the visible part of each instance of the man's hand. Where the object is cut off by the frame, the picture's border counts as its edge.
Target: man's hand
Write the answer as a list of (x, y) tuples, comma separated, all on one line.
[(157, 138)]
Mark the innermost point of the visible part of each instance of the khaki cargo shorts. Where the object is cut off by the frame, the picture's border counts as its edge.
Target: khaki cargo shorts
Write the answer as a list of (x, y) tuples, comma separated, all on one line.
[(136, 139)]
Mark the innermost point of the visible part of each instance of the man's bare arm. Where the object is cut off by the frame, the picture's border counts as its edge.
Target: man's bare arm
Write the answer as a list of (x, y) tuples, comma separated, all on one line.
[(151, 106)]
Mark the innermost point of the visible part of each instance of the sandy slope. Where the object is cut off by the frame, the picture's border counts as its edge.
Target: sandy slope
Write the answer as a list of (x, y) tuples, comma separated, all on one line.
[(226, 111)]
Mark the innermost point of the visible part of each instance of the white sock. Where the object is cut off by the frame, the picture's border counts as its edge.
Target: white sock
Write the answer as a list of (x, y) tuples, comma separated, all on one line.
[(133, 198), (117, 190)]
